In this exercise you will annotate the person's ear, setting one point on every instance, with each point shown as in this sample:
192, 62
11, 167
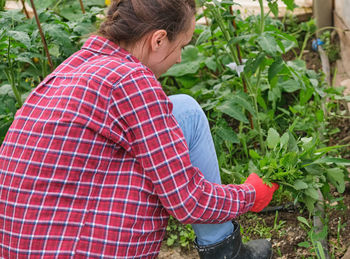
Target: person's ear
158, 38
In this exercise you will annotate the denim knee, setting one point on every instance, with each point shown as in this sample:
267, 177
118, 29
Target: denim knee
184, 104
191, 119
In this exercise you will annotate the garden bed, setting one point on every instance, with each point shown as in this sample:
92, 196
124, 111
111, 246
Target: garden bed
252, 111
285, 232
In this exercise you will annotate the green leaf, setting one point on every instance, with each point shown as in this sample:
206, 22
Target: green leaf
25, 59
330, 148
190, 64
183, 69
203, 37
304, 221
334, 160
253, 64
274, 8
290, 86
297, 65
320, 250
268, 44
211, 63
275, 68
233, 110
290, 4
320, 115
312, 193
273, 138
190, 53
54, 50
40, 4
188, 81
305, 95
253, 154
241, 39
5, 89
284, 139
336, 177
310, 203
300, 185
262, 102
21, 37
58, 35
227, 134
314, 169
304, 244
242, 100
170, 241
290, 160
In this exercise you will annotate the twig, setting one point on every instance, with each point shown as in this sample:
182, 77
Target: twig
42, 35
82, 6
25, 9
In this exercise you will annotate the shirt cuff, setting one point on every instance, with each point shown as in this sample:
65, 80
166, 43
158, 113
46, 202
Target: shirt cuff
250, 195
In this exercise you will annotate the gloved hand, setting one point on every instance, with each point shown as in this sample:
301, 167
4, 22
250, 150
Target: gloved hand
263, 192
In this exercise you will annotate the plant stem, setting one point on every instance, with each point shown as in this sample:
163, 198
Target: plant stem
234, 56
57, 3
11, 76
241, 63
254, 93
82, 6
262, 16
25, 9
306, 39
218, 65
42, 35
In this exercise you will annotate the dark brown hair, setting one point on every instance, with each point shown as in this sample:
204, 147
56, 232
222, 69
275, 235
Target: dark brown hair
130, 20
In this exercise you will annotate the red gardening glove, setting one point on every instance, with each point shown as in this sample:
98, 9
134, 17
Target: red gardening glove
263, 192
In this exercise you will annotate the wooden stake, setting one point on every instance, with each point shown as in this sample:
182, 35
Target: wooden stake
42, 36
82, 6
25, 9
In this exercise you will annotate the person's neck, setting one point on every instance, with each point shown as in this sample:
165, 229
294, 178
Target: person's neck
138, 49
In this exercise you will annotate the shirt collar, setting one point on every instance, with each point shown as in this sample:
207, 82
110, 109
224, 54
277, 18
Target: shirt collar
104, 46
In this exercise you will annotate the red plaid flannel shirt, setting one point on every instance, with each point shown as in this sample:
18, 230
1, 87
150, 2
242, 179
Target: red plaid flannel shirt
94, 163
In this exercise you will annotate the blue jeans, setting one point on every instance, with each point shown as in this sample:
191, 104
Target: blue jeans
195, 127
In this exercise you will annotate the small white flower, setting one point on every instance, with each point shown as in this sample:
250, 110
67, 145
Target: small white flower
239, 69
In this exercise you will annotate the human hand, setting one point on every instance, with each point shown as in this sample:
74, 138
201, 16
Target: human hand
263, 192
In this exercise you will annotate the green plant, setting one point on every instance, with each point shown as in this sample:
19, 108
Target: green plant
179, 234
251, 93
300, 166
254, 227
278, 224
7, 109
331, 48
314, 238
24, 63
2, 4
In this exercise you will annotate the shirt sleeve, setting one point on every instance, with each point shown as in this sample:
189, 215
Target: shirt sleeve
143, 116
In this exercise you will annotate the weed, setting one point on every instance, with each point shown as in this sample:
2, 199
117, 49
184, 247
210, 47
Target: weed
179, 234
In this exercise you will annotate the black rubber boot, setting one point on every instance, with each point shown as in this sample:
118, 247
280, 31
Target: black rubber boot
233, 248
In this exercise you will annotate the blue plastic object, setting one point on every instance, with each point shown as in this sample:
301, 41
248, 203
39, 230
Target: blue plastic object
316, 43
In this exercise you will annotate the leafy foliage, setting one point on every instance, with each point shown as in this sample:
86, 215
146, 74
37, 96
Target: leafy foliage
268, 114
300, 166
